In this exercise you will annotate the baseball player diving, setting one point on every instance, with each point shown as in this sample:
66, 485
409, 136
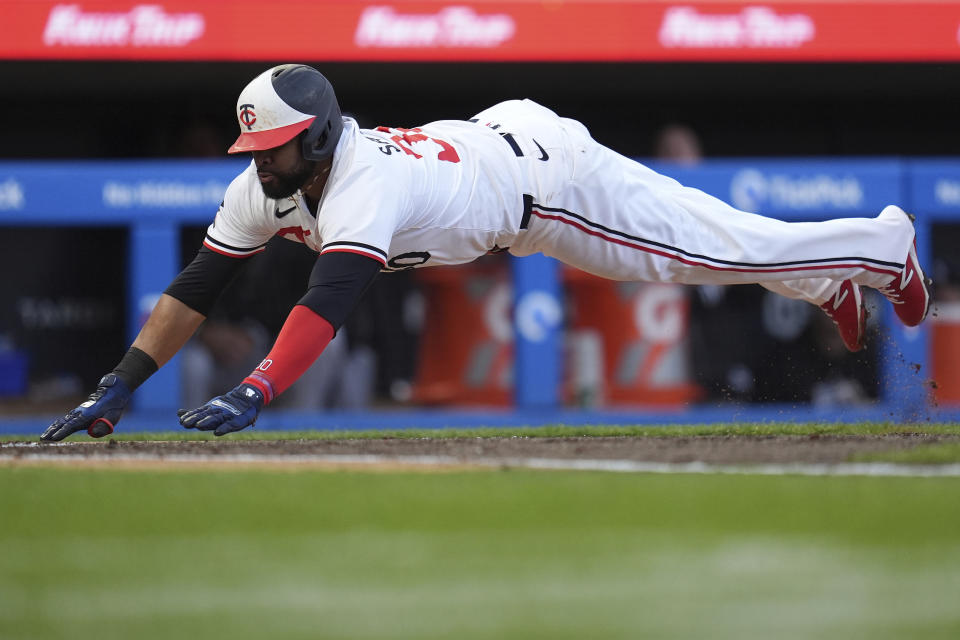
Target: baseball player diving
515, 177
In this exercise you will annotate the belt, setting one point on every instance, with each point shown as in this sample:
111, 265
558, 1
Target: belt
527, 199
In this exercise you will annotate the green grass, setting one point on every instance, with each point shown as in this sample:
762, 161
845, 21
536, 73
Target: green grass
731, 429
946, 453
111, 554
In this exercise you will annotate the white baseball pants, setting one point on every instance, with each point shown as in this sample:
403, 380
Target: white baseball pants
608, 215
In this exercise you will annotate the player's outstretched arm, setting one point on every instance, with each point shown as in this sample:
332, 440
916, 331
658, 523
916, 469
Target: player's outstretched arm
180, 310
167, 329
337, 282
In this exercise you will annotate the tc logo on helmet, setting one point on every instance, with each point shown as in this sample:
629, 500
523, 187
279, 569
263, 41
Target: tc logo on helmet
247, 115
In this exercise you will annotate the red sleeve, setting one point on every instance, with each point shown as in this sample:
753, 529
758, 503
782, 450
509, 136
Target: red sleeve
337, 282
304, 336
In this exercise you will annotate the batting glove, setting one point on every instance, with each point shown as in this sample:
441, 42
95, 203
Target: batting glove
236, 410
98, 415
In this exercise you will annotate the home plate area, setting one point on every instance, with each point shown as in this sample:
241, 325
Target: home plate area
807, 455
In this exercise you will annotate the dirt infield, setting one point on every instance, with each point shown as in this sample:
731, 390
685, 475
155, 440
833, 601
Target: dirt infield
456, 452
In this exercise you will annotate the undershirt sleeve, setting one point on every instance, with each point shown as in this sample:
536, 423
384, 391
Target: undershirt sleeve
337, 283
203, 280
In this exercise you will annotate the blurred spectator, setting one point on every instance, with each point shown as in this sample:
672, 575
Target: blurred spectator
679, 144
748, 344
946, 263
752, 345
385, 331
244, 323
612, 355
945, 329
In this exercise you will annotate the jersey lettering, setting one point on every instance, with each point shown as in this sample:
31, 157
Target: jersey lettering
407, 138
385, 147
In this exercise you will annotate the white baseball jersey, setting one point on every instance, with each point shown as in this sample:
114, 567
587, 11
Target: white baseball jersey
519, 176
444, 193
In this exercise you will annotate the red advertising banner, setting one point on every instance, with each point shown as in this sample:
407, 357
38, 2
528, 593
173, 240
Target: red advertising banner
548, 30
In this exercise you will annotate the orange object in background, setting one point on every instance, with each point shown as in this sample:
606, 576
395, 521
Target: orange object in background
945, 352
466, 349
625, 343
639, 331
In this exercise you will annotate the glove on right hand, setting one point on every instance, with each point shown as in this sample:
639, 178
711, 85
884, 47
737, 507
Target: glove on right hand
233, 411
98, 415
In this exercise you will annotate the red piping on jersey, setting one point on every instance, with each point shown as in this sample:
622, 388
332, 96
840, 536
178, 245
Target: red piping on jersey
232, 255
359, 253
304, 336
694, 263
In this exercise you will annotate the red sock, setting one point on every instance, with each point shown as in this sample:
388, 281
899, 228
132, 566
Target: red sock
304, 336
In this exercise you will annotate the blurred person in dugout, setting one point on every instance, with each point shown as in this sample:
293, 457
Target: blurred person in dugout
367, 202
678, 144
735, 330
596, 382
244, 324
371, 359
247, 320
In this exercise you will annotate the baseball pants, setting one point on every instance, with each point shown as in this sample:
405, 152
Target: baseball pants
606, 214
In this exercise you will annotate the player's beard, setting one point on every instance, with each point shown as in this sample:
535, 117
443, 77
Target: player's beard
286, 184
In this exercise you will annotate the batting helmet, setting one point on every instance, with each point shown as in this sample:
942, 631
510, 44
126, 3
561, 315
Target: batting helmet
282, 102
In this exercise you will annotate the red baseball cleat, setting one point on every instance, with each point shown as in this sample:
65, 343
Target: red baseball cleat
848, 313
908, 292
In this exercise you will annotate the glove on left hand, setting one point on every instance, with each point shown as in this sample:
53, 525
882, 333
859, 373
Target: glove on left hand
236, 410
98, 415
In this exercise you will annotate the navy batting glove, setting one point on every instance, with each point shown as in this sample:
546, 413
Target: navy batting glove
236, 410
98, 415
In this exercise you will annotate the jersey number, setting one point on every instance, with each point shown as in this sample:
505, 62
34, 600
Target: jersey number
407, 138
408, 260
